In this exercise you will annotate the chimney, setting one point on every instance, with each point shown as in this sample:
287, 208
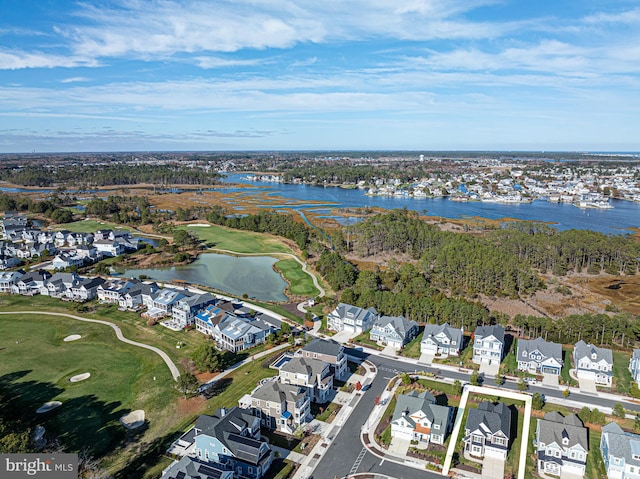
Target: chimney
223, 412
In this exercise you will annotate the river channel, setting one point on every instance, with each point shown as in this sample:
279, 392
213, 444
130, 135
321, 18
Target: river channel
251, 275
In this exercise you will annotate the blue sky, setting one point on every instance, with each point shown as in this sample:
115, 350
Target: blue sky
137, 75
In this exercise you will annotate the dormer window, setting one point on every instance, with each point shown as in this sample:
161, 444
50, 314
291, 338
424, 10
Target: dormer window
565, 441
594, 356
524, 354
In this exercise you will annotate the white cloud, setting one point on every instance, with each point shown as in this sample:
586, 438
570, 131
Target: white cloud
15, 60
74, 79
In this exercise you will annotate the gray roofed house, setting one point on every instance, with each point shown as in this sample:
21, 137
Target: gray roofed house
329, 351
418, 418
351, 318
192, 468
232, 439
562, 445
185, 309
441, 340
488, 344
237, 334
8, 279
539, 356
282, 407
395, 331
593, 363
634, 365
620, 452
488, 431
314, 374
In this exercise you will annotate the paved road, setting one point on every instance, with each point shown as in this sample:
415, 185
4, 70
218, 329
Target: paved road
170, 364
341, 457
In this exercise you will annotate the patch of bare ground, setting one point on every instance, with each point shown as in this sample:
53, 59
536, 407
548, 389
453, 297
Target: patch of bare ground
190, 406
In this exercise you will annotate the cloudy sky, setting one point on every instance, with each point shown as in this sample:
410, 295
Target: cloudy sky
125, 75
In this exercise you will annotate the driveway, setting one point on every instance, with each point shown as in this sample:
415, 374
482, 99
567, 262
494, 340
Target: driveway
587, 386
426, 358
399, 446
492, 468
550, 380
389, 351
489, 369
343, 336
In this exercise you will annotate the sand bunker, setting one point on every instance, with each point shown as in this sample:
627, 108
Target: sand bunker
199, 225
48, 406
133, 420
72, 337
80, 377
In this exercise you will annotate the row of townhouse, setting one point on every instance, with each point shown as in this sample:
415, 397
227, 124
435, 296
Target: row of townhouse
70, 248
535, 356
59, 285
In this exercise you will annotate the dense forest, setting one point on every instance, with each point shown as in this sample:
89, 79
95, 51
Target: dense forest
504, 262
264, 221
87, 176
348, 173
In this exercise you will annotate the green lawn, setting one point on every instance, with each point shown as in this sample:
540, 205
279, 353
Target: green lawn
621, 372
37, 364
300, 283
220, 237
566, 366
88, 226
412, 348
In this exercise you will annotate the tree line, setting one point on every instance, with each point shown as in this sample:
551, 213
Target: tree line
505, 262
88, 176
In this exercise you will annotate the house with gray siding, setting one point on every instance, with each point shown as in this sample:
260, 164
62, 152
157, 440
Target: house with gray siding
488, 344
417, 417
313, 374
620, 452
634, 365
562, 445
394, 331
329, 351
441, 340
538, 356
488, 431
593, 363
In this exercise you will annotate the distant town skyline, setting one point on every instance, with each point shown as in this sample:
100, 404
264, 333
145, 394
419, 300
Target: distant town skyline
217, 75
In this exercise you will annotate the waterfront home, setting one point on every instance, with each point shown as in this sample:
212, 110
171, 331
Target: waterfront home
488, 431
191, 468
8, 279
488, 344
207, 318
394, 331
30, 283
58, 284
108, 247
238, 334
186, 308
417, 417
634, 364
138, 295
282, 407
351, 318
87, 252
593, 363
620, 452
441, 340
562, 445
329, 351
86, 289
538, 356
231, 440
313, 374
113, 290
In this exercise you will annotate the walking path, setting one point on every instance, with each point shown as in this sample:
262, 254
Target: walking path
170, 364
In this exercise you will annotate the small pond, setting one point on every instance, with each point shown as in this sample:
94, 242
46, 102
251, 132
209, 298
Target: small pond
253, 275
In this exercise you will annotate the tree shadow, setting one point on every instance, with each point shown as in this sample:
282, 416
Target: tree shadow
217, 388
82, 423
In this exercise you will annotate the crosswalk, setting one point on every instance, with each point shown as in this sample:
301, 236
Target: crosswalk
359, 459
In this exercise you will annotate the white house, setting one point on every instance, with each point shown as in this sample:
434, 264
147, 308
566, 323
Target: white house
441, 340
488, 344
417, 417
634, 365
351, 318
593, 363
620, 452
488, 431
395, 331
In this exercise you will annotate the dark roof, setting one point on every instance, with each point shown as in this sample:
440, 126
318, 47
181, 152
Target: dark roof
495, 330
324, 346
493, 417
191, 468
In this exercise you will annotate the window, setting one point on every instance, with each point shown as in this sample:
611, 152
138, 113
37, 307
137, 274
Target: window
200, 453
206, 455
